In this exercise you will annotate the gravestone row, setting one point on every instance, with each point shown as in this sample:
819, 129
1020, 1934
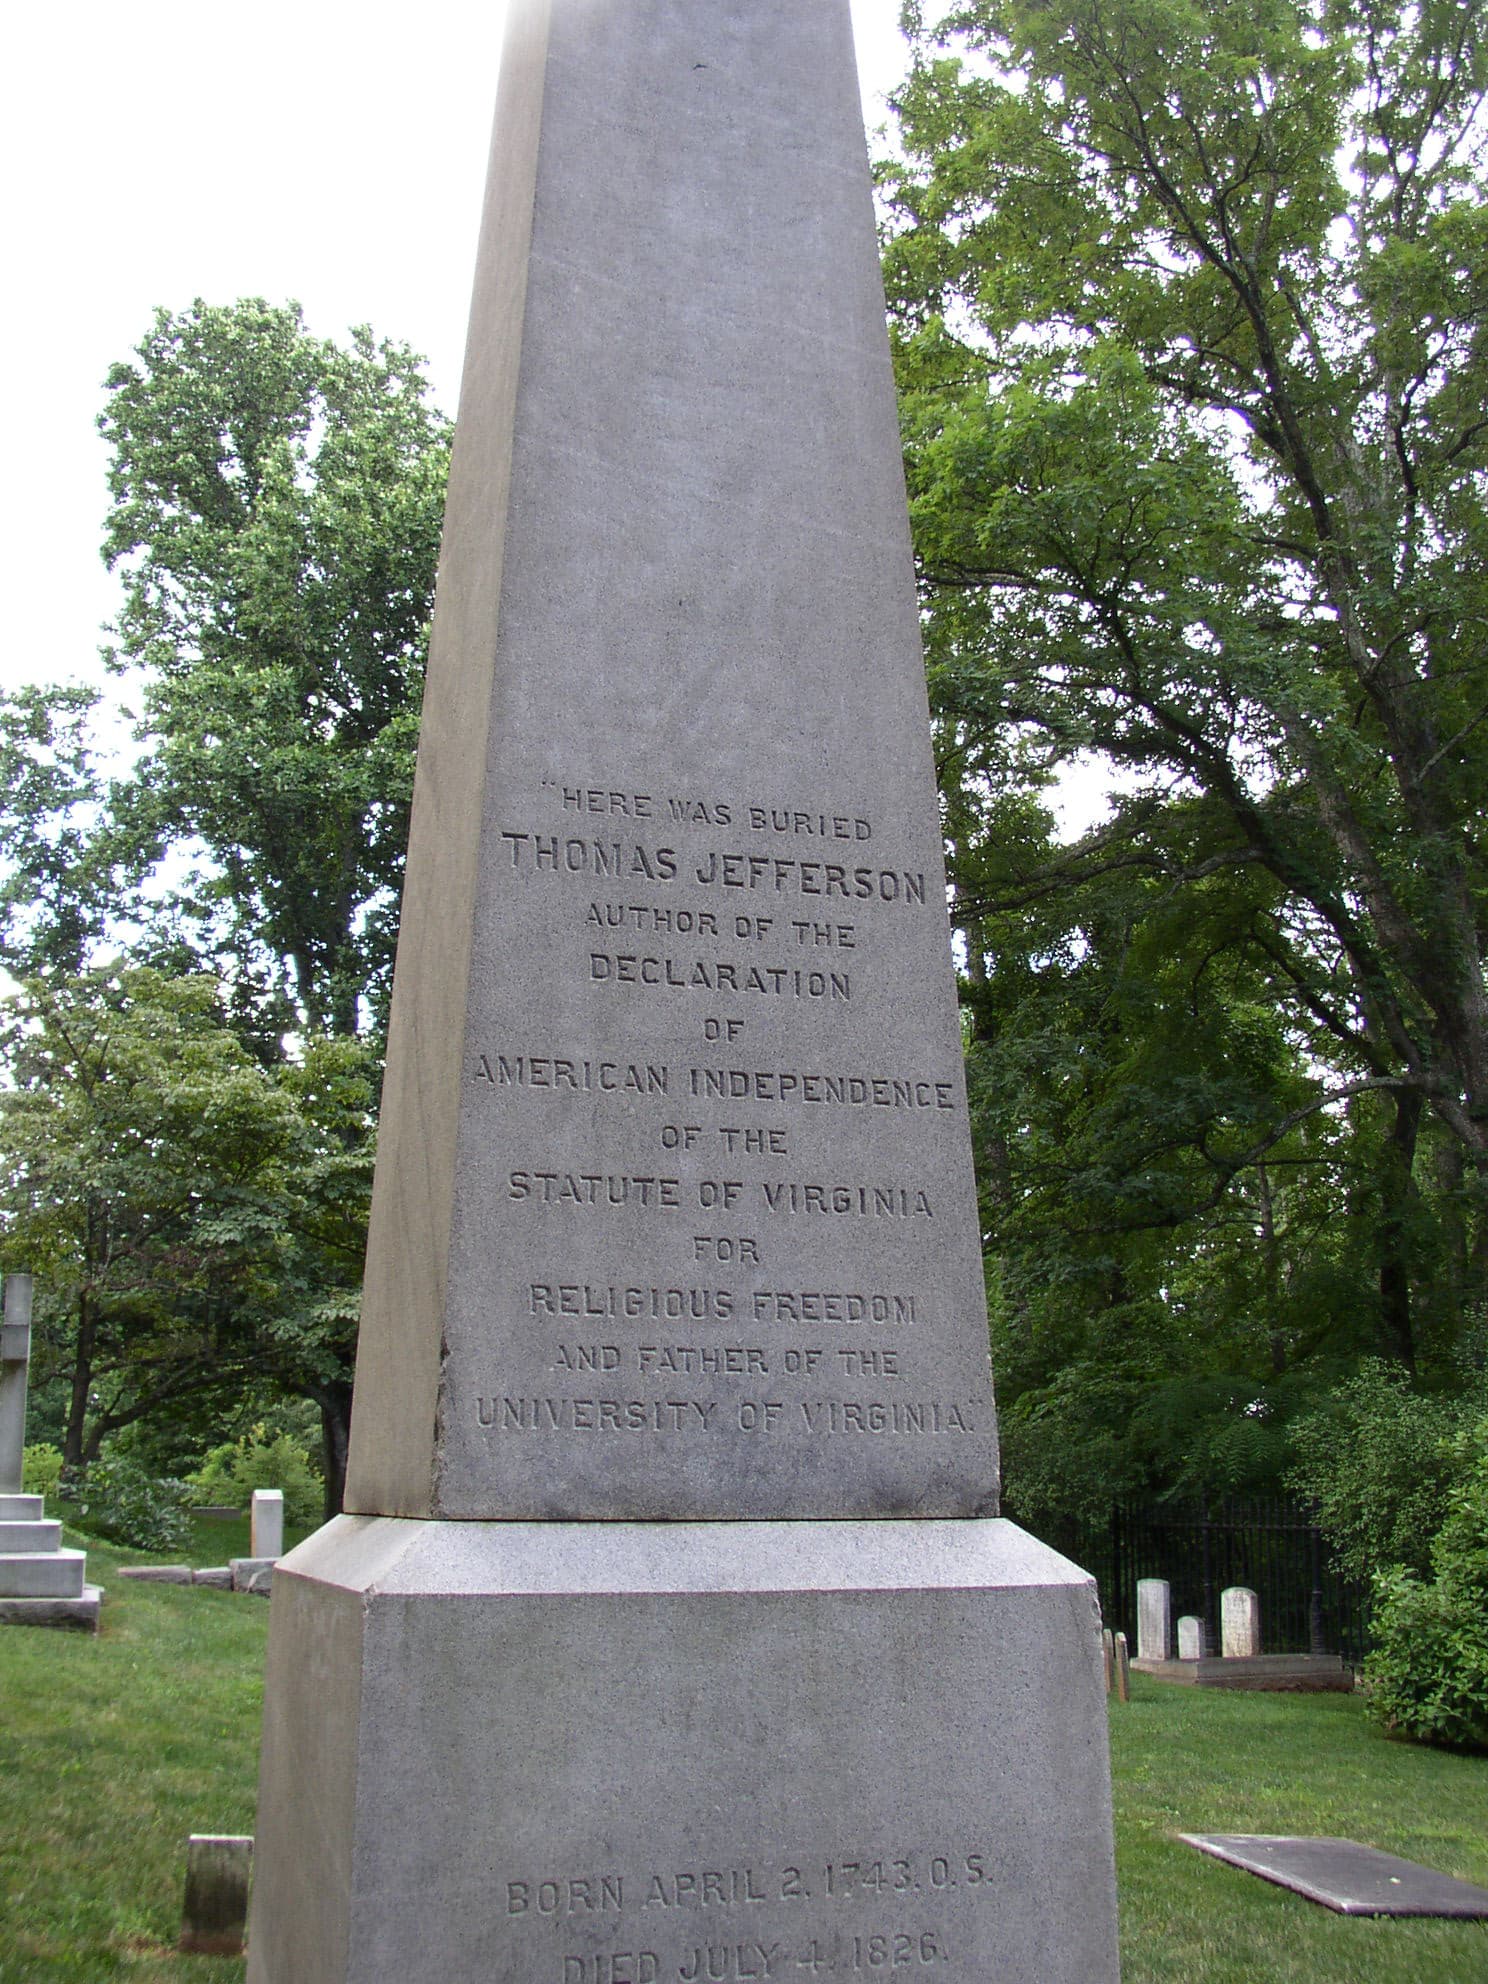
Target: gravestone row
1239, 1662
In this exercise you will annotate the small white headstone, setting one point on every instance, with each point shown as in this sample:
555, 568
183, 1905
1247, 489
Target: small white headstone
1153, 1640
1190, 1638
1239, 1623
267, 1531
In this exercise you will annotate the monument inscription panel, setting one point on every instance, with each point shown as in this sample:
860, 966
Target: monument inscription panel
713, 1165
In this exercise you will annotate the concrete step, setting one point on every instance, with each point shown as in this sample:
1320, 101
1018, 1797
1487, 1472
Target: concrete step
80, 1612
51, 1574
29, 1536
22, 1508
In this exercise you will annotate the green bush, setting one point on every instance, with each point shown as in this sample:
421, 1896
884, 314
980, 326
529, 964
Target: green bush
1428, 1675
230, 1473
41, 1469
1379, 1463
115, 1498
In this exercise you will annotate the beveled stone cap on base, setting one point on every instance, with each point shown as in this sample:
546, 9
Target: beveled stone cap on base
504, 1751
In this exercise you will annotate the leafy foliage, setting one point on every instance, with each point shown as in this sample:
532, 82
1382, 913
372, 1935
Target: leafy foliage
64, 867
1428, 1675
41, 1469
193, 1218
1380, 1462
1188, 318
277, 502
118, 1499
231, 1472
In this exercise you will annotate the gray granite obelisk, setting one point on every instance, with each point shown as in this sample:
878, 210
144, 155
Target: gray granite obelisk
674, 1635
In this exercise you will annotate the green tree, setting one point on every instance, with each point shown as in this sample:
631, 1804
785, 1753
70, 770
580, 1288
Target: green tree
1161, 1301
193, 1218
1427, 1675
64, 866
275, 519
1380, 1462
142, 1148
1188, 311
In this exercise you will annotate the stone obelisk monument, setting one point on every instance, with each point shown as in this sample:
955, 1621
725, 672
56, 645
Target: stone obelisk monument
675, 1636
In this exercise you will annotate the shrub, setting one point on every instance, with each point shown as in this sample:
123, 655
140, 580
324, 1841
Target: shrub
1428, 1675
230, 1474
1379, 1463
116, 1499
41, 1469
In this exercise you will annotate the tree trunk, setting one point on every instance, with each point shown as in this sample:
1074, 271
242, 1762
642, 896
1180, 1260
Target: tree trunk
334, 1400
1271, 1264
73, 1455
1397, 1199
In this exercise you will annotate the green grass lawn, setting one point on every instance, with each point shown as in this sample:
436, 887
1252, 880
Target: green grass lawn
1202, 1760
113, 1749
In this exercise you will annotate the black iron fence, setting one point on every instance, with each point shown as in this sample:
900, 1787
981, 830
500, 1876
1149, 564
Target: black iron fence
1272, 1546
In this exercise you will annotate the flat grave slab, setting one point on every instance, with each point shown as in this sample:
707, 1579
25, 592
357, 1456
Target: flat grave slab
1343, 1875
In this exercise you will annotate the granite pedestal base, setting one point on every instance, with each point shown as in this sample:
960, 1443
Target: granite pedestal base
613, 1753
41, 1584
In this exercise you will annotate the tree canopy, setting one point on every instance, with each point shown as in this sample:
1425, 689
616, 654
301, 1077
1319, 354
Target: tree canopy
1188, 313
275, 518
195, 1220
206, 934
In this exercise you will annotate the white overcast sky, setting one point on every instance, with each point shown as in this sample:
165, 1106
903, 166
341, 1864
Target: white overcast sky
327, 150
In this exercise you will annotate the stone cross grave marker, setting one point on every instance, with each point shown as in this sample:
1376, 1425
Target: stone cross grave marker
15, 1359
617, 1669
41, 1584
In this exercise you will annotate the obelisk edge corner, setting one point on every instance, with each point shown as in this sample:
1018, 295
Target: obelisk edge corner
392, 1468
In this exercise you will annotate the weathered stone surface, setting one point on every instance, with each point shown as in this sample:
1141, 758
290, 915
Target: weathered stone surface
81, 1612
252, 1573
266, 1523
41, 1584
1262, 1673
218, 1576
1190, 1637
674, 1221
215, 1908
534, 1747
1154, 1637
26, 1536
1239, 1623
157, 1573
1345, 1876
30, 1574
1121, 1667
15, 1354
674, 1213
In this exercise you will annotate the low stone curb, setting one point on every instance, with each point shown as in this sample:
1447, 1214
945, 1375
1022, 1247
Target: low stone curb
242, 1574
